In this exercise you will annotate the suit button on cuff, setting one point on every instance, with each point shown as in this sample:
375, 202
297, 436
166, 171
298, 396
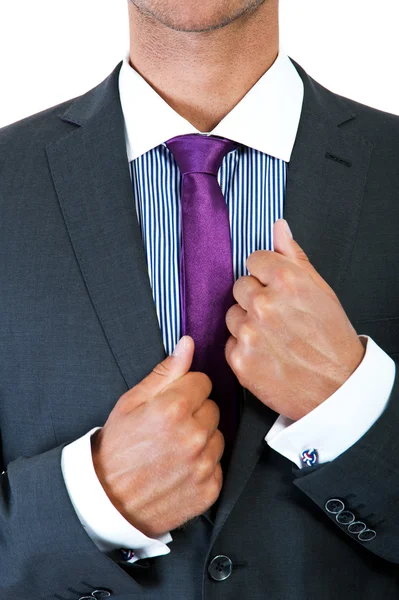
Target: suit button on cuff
98, 594
345, 517
334, 506
367, 535
357, 527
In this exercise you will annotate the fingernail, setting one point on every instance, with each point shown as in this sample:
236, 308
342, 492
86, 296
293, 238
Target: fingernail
180, 346
288, 229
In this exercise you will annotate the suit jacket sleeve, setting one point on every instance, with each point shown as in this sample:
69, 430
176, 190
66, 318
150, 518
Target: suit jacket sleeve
365, 478
44, 549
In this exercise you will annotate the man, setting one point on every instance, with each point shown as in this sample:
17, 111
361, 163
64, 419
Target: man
260, 459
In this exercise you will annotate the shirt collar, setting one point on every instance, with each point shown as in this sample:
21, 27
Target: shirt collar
265, 119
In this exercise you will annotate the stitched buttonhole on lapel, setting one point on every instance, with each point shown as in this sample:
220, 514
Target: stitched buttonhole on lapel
339, 160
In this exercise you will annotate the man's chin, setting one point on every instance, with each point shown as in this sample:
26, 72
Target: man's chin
193, 16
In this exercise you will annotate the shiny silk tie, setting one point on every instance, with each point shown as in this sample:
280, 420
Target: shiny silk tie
206, 270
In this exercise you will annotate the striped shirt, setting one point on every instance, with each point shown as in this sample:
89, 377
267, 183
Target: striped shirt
253, 185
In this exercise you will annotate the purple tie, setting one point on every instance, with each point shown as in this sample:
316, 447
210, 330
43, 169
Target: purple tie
206, 269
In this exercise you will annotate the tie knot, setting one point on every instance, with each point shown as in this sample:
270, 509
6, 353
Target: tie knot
195, 153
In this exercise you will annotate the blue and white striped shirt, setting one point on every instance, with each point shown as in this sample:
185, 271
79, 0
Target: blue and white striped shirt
253, 185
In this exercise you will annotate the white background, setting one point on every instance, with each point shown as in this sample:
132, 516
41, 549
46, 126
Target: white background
52, 50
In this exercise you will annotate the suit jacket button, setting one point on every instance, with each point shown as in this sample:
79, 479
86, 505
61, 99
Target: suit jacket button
345, 517
357, 527
97, 594
367, 535
334, 506
220, 568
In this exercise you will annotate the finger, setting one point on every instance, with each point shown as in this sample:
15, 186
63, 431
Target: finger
208, 416
192, 392
216, 446
287, 246
244, 289
234, 317
264, 264
167, 371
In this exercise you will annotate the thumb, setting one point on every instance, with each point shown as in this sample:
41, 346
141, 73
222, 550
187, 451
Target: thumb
285, 244
171, 368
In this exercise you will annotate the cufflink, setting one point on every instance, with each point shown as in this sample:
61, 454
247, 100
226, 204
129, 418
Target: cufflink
126, 554
309, 457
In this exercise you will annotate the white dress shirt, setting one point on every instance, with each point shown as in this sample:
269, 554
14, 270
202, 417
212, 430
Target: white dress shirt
266, 119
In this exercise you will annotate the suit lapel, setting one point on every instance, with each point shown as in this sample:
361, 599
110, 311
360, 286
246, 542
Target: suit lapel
325, 185
326, 180
90, 171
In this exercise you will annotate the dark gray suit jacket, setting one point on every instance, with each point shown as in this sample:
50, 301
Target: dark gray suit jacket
78, 328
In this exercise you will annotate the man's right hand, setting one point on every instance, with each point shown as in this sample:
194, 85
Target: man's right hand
158, 454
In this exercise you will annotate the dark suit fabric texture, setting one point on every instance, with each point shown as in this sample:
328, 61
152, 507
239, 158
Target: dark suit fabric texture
78, 328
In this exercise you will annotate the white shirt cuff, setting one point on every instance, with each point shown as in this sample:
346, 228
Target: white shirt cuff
105, 525
339, 422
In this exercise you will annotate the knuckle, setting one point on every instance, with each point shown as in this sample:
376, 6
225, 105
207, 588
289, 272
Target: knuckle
218, 476
237, 361
220, 442
213, 488
176, 410
245, 332
260, 304
204, 468
215, 410
198, 441
284, 277
200, 381
205, 382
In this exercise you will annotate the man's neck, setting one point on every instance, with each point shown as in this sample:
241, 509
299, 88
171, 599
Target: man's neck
203, 75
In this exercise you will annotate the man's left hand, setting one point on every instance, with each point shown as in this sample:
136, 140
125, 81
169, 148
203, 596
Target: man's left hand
292, 344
